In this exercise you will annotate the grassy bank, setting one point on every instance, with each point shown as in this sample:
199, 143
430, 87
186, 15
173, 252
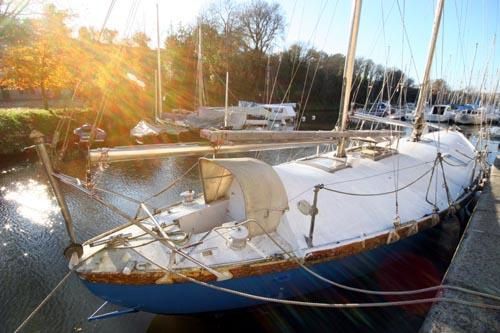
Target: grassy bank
16, 125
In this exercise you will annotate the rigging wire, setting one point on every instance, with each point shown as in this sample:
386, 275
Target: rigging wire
361, 178
374, 292
130, 19
318, 63
380, 193
408, 42
60, 124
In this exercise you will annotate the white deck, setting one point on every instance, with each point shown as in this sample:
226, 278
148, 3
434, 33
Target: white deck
342, 218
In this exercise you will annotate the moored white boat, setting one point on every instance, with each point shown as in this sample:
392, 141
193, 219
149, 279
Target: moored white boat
248, 231
492, 116
470, 116
494, 132
260, 233
440, 114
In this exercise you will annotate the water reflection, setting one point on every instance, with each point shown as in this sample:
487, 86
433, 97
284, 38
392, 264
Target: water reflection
33, 202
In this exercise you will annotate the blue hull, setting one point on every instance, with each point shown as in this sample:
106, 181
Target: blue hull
183, 298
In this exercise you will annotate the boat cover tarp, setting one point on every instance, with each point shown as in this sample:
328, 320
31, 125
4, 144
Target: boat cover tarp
213, 117
143, 128
264, 194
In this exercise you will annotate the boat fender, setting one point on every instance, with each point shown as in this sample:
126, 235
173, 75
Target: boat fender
397, 221
483, 183
392, 237
238, 237
453, 209
435, 218
363, 237
412, 230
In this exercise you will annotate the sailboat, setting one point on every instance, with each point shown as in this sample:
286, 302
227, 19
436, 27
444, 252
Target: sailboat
440, 114
260, 233
159, 130
470, 115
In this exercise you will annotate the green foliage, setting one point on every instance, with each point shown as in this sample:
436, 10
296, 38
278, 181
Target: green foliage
17, 123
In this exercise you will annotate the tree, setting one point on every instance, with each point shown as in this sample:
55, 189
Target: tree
261, 24
439, 86
12, 29
9, 12
140, 39
87, 34
44, 63
108, 36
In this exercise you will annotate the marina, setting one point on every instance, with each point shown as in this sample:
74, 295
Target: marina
263, 216
22, 181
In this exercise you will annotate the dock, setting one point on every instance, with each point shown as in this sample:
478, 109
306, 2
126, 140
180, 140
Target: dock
476, 266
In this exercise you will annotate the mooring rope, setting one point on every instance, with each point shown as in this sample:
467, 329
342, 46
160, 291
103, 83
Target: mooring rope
367, 291
45, 300
320, 304
293, 257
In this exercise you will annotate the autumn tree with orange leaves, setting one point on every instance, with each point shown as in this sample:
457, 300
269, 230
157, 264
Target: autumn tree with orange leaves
44, 63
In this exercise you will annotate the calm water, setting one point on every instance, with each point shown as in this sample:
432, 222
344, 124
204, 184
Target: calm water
32, 238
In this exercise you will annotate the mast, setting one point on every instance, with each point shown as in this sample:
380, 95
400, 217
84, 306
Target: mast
419, 111
199, 71
226, 111
402, 78
348, 71
469, 90
268, 79
156, 96
158, 59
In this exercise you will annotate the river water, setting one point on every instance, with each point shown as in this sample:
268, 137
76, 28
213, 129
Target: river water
33, 237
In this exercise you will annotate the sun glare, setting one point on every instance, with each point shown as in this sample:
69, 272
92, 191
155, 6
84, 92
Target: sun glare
33, 203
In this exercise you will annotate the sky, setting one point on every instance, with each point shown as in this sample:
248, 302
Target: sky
325, 25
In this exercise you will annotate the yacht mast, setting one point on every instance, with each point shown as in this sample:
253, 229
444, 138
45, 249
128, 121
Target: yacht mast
156, 97
419, 110
158, 59
348, 72
200, 89
226, 111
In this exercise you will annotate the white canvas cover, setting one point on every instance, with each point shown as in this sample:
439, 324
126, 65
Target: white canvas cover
263, 192
143, 128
